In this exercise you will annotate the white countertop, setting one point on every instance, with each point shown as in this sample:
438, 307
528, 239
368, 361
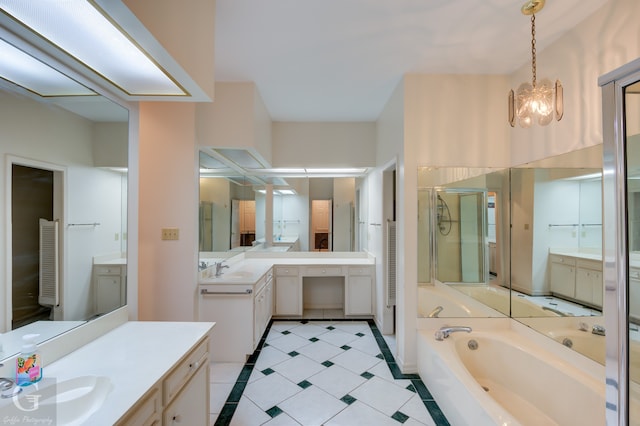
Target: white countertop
134, 356
252, 269
577, 254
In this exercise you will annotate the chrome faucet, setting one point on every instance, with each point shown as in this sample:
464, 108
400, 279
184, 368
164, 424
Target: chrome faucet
434, 313
219, 267
598, 329
202, 266
445, 331
8, 388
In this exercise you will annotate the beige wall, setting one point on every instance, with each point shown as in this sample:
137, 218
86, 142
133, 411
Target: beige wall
168, 198
301, 144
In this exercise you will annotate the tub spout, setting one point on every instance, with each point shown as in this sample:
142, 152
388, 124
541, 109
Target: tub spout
434, 313
598, 329
444, 332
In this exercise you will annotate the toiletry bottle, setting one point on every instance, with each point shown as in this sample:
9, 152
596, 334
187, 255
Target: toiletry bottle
28, 362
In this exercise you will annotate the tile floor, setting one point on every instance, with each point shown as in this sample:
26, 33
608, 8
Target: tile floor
320, 372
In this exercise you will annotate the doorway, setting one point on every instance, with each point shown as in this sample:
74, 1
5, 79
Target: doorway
321, 225
32, 199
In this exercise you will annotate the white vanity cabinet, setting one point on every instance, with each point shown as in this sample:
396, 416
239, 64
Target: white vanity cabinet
577, 278
563, 276
241, 311
288, 291
359, 290
180, 397
634, 293
110, 289
262, 307
589, 282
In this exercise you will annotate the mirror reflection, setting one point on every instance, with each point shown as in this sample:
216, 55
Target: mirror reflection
524, 242
632, 151
66, 186
240, 208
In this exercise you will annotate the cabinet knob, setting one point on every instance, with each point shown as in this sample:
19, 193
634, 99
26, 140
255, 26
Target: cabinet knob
177, 418
194, 365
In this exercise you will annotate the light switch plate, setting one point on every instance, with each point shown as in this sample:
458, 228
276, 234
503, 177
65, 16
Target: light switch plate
170, 233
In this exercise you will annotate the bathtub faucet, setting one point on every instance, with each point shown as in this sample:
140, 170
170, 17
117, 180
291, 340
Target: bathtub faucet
598, 329
434, 313
444, 332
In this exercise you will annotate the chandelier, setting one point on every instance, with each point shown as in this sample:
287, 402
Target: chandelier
538, 101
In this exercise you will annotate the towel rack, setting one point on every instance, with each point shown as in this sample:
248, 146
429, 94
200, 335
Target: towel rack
205, 292
83, 224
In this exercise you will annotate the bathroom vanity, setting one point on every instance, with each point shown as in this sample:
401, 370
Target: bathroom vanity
577, 276
136, 373
259, 285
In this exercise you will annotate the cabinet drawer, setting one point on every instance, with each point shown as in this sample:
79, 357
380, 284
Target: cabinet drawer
320, 271
563, 259
183, 372
107, 269
634, 274
590, 264
360, 270
146, 412
282, 271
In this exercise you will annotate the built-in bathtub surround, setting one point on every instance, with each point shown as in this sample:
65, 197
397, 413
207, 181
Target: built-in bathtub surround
510, 375
330, 372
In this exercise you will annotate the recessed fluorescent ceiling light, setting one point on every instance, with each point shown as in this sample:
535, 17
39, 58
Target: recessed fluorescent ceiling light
37, 77
286, 191
85, 32
337, 170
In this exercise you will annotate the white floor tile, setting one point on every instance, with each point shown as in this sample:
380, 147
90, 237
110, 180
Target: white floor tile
312, 406
356, 361
337, 381
382, 395
281, 326
225, 372
416, 409
248, 413
270, 390
308, 331
320, 351
290, 342
338, 337
269, 357
298, 368
366, 344
255, 375
382, 370
354, 327
282, 419
359, 414
218, 394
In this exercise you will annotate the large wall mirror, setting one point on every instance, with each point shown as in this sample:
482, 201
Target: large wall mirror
239, 206
524, 242
65, 179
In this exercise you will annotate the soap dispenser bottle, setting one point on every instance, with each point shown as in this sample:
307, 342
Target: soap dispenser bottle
28, 362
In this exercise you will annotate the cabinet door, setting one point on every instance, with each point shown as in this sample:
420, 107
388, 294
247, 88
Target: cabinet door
191, 405
598, 290
634, 293
259, 313
563, 279
359, 295
108, 289
584, 285
288, 296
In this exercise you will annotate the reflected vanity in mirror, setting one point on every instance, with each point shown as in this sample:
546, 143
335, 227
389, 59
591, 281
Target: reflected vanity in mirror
525, 242
240, 205
65, 176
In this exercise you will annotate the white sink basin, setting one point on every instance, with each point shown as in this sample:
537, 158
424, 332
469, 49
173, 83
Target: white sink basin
69, 402
237, 275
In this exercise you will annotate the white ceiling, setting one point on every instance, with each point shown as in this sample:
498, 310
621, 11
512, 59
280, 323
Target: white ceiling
339, 60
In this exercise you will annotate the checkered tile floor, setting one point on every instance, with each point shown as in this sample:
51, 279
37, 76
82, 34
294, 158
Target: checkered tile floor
320, 373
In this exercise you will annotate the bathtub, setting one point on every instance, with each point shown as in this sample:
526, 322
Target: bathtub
507, 380
453, 303
500, 299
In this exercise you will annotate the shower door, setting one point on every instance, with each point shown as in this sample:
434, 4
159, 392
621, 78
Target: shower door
621, 242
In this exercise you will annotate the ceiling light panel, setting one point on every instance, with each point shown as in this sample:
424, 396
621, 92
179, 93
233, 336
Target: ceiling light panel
29, 73
83, 31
